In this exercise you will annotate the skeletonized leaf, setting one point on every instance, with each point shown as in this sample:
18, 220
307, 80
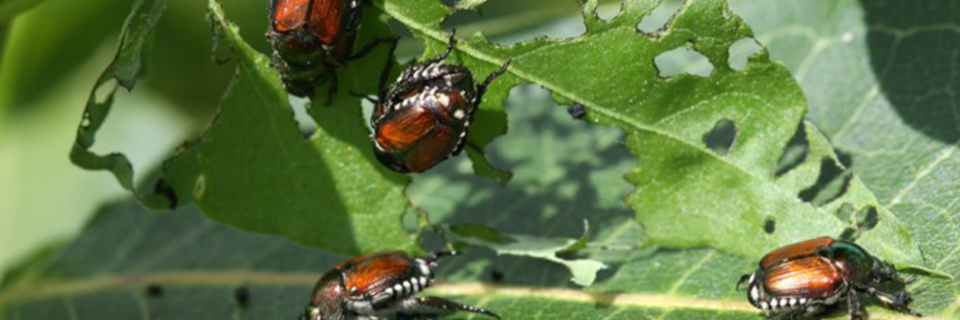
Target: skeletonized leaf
687, 194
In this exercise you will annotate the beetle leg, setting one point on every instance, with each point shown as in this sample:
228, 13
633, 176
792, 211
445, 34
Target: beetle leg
332, 90
444, 304
788, 315
482, 88
411, 316
900, 301
367, 48
853, 303
385, 74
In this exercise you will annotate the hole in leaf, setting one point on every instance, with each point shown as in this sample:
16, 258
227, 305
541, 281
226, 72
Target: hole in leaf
849, 234
304, 121
720, 139
795, 153
682, 60
867, 218
510, 22
831, 184
770, 226
845, 159
657, 20
741, 51
105, 91
609, 9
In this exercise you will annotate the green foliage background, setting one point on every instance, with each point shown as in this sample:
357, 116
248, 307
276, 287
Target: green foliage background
878, 78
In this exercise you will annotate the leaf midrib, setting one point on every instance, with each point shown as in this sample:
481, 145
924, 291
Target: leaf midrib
438, 36
232, 278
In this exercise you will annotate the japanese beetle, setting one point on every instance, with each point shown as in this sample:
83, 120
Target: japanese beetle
423, 118
805, 277
370, 286
311, 38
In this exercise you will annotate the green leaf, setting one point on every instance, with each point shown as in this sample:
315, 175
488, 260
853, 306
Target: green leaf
470, 4
132, 263
893, 111
10, 9
584, 270
49, 41
123, 71
254, 169
725, 201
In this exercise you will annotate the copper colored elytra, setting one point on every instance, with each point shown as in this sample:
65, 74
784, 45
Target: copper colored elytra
801, 249
813, 275
377, 285
804, 278
311, 38
423, 118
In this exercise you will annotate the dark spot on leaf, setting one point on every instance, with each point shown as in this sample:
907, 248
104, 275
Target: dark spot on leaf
154, 290
849, 234
659, 19
682, 60
577, 111
794, 153
831, 184
721, 138
163, 188
496, 276
741, 51
770, 226
242, 296
867, 218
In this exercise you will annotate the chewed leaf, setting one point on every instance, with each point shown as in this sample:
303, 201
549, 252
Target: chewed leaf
895, 124
123, 71
688, 194
254, 169
584, 270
